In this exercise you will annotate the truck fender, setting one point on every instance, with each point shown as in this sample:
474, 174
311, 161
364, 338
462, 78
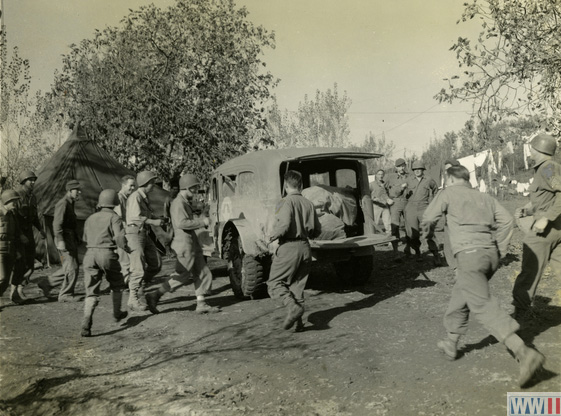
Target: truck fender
251, 243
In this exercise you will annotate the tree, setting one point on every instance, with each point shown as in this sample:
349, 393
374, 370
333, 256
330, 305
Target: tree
440, 149
170, 90
320, 122
372, 144
22, 145
514, 66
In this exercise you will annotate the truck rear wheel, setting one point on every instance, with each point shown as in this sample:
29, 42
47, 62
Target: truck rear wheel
356, 271
247, 273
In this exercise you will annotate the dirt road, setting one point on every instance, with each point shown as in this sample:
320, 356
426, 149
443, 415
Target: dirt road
364, 352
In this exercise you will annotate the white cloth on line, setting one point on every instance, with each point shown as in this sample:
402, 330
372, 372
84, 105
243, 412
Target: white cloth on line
469, 163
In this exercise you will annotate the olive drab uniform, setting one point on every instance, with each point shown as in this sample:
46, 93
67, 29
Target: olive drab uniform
124, 260
65, 229
397, 193
379, 196
27, 217
538, 249
295, 222
10, 246
419, 193
145, 261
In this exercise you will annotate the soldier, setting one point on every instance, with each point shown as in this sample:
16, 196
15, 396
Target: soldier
173, 191
26, 214
542, 241
103, 233
396, 185
381, 201
190, 262
145, 261
128, 185
448, 255
295, 222
66, 239
10, 250
480, 229
420, 192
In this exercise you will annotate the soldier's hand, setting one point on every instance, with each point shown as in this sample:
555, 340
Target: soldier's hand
519, 212
389, 201
539, 225
61, 246
156, 222
206, 222
404, 185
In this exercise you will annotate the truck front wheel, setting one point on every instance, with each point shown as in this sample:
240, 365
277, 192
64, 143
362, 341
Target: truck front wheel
247, 273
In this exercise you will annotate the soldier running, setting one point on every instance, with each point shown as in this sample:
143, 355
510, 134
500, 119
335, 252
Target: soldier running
480, 229
66, 239
103, 233
295, 222
542, 243
190, 262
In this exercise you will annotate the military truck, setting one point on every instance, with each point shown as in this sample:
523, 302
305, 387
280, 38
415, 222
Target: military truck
243, 196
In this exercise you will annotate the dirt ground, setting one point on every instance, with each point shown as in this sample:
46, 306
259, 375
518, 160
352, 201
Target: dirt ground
368, 351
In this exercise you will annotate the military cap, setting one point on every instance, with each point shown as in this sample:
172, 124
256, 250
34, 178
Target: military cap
418, 165
187, 181
144, 177
108, 198
72, 184
452, 162
25, 175
544, 143
399, 162
9, 196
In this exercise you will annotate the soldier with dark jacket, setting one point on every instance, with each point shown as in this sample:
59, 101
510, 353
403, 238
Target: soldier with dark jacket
295, 223
27, 217
396, 185
103, 233
542, 242
190, 263
420, 192
480, 229
10, 235
66, 239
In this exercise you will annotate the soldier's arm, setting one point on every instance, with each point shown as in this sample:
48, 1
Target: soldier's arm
133, 211
181, 218
119, 232
282, 221
554, 180
434, 212
504, 224
60, 209
433, 188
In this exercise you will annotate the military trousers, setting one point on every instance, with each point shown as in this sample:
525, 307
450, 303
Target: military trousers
67, 276
385, 215
191, 265
397, 212
99, 262
413, 218
7, 260
471, 294
290, 270
125, 262
25, 267
145, 261
537, 251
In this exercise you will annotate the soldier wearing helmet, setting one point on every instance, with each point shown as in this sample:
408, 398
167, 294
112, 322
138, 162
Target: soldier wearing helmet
128, 185
145, 261
396, 186
10, 252
190, 262
420, 192
66, 239
26, 214
541, 244
103, 233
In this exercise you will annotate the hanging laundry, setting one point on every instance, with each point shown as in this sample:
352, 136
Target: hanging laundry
479, 158
527, 154
469, 163
499, 161
491, 167
482, 186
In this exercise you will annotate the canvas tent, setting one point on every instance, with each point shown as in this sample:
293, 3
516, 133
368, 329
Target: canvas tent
82, 159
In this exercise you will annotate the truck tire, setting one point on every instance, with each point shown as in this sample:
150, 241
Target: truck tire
356, 271
247, 273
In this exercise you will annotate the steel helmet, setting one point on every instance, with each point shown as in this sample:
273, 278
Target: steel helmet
418, 165
544, 143
188, 180
108, 198
399, 162
25, 175
9, 196
144, 177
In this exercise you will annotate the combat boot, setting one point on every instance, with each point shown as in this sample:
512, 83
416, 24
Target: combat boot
299, 325
293, 313
449, 346
152, 299
531, 361
437, 260
133, 303
203, 307
118, 313
16, 297
89, 306
45, 287
141, 295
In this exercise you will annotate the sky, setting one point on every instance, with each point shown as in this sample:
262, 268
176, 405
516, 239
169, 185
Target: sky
388, 56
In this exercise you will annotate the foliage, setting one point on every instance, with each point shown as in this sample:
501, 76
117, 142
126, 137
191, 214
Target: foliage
321, 122
440, 149
181, 89
514, 66
372, 144
23, 146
